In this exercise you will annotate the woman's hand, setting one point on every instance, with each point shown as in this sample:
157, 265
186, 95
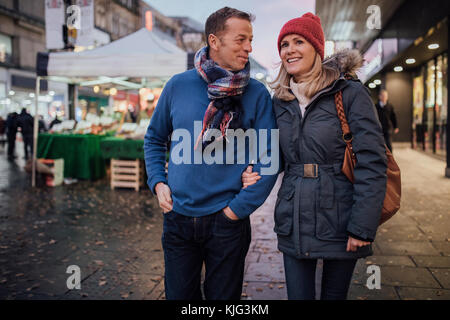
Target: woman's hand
353, 244
249, 177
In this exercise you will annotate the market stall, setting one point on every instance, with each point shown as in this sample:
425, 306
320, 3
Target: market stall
120, 148
81, 153
138, 61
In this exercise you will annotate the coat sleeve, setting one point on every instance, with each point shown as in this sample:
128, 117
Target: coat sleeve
156, 139
369, 186
252, 197
393, 118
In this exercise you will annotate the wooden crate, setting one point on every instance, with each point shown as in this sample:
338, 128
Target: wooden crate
127, 174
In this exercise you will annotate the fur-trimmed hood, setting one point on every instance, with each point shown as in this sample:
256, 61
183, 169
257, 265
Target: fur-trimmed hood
346, 61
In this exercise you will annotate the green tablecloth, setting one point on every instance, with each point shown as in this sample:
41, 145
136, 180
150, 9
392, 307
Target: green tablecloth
119, 148
81, 153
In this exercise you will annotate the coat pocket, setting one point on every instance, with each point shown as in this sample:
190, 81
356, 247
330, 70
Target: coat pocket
331, 223
284, 212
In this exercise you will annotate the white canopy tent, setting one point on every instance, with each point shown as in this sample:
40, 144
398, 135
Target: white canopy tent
141, 54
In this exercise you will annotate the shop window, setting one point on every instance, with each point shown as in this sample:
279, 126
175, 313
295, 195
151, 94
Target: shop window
389, 49
418, 98
2, 90
429, 106
441, 105
115, 24
5, 49
100, 16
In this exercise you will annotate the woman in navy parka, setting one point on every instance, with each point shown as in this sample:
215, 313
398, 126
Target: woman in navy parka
319, 213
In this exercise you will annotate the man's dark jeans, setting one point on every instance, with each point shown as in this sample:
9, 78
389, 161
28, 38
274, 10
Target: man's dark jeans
300, 278
216, 240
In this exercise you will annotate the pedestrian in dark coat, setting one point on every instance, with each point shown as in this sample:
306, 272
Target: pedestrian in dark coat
26, 123
2, 131
319, 213
11, 132
387, 117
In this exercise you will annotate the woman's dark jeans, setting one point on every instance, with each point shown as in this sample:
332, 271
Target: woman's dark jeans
215, 240
301, 276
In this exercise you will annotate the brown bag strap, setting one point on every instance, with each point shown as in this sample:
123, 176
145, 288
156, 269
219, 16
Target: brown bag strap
346, 133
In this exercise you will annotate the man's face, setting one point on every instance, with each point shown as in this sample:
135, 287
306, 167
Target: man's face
233, 45
384, 96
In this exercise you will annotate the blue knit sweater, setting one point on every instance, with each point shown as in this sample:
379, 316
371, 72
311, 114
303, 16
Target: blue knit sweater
198, 186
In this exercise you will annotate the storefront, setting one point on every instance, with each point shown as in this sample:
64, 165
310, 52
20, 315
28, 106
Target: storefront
17, 91
417, 82
430, 106
410, 60
90, 104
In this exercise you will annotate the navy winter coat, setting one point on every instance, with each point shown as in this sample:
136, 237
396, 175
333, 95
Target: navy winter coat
315, 216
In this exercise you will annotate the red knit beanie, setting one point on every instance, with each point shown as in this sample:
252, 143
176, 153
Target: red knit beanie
309, 27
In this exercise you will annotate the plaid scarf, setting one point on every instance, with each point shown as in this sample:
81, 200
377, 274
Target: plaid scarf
225, 89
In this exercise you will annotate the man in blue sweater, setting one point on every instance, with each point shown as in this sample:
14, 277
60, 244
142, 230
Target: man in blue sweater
206, 210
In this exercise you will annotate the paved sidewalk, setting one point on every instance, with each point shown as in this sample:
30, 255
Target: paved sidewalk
412, 249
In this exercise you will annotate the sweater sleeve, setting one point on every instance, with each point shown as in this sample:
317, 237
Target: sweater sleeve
268, 163
156, 139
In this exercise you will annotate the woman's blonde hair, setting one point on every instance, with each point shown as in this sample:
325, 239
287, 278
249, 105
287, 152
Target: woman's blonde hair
319, 77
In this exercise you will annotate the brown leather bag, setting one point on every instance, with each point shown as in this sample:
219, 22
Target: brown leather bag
391, 202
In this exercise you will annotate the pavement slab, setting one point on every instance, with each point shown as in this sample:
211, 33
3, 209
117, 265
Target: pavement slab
431, 261
261, 290
407, 248
408, 293
443, 276
361, 292
442, 246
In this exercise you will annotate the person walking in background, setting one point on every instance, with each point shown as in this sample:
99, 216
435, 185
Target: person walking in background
387, 117
42, 125
56, 120
2, 132
206, 211
319, 213
11, 132
25, 122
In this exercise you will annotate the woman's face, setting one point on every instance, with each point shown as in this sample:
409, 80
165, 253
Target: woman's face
297, 55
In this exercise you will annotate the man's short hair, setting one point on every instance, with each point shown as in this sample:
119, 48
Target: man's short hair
215, 24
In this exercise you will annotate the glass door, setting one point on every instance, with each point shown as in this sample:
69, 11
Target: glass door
429, 107
441, 105
417, 124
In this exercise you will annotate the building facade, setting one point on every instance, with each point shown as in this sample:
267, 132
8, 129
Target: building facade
22, 36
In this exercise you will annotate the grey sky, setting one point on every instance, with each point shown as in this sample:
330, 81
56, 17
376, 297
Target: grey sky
270, 17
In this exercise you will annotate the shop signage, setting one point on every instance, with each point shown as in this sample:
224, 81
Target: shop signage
54, 21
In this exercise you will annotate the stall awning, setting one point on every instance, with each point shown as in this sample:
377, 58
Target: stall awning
140, 54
